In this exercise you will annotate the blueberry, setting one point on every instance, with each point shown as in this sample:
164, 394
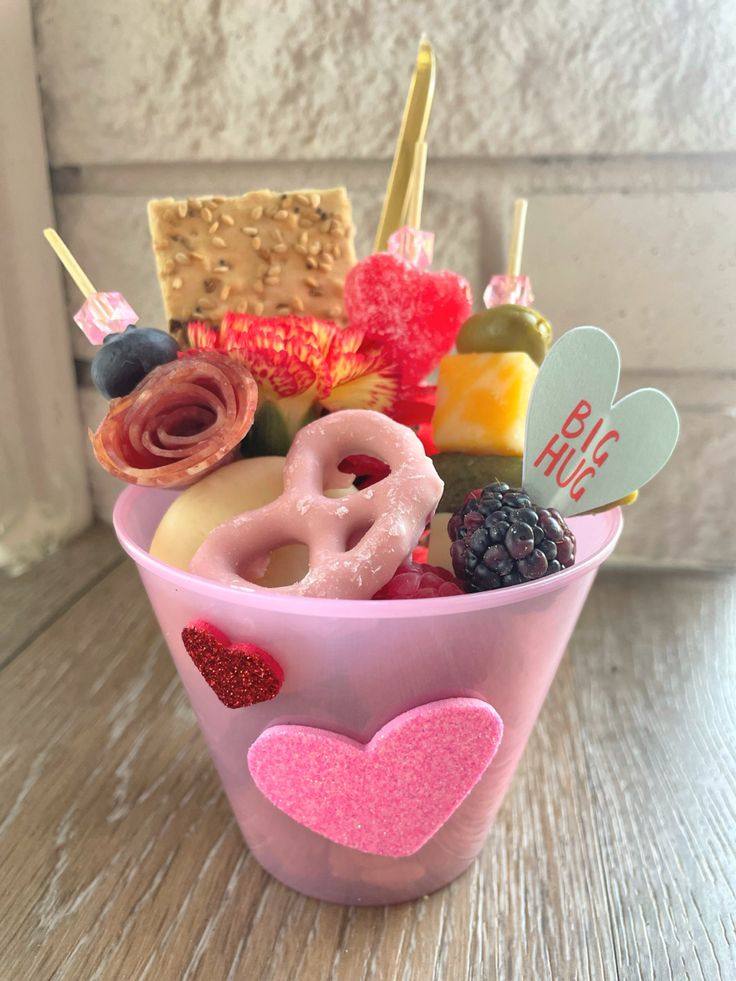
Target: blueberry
125, 359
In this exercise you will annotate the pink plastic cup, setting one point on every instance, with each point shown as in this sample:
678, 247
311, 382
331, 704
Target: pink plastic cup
353, 665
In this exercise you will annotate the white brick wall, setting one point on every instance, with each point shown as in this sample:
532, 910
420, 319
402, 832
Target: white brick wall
616, 121
295, 79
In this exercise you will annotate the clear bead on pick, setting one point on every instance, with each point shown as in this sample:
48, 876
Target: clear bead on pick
508, 289
104, 313
414, 245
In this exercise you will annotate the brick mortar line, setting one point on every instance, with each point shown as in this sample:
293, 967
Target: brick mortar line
104, 177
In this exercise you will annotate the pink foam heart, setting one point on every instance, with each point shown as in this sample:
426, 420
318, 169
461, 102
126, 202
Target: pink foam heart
389, 796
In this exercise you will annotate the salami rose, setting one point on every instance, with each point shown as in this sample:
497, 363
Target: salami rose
181, 421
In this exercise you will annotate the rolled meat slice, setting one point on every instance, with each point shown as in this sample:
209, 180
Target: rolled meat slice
184, 419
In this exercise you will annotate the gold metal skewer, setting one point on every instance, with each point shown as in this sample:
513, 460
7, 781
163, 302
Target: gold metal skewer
413, 130
69, 262
413, 211
620, 503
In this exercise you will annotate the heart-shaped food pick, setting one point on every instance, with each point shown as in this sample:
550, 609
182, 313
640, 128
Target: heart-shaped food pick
387, 797
582, 450
239, 674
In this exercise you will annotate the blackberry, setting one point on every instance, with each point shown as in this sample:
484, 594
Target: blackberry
499, 538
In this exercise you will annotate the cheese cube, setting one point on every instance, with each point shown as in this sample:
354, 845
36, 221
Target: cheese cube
482, 401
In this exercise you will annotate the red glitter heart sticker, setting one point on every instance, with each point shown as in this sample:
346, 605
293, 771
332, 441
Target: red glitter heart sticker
239, 674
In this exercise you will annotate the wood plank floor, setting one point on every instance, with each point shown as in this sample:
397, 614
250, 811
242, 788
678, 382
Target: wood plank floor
614, 856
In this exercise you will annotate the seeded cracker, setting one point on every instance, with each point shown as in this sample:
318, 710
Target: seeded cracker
265, 253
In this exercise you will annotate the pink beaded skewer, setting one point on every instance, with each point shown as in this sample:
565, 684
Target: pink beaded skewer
101, 313
511, 286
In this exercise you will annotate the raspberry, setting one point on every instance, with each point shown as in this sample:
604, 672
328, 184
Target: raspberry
413, 580
499, 538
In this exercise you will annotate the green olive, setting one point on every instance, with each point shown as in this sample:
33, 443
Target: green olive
508, 327
462, 473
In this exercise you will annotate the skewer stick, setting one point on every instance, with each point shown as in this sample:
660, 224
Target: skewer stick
413, 130
415, 195
517, 237
69, 262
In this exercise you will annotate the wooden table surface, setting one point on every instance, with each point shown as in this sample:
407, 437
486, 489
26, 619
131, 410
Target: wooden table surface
614, 855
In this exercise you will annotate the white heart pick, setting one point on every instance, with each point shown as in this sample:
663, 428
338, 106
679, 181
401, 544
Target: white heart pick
581, 449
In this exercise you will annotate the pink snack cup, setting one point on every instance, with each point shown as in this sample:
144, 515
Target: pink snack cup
350, 667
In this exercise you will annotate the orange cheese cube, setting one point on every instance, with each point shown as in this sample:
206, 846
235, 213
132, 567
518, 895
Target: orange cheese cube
482, 401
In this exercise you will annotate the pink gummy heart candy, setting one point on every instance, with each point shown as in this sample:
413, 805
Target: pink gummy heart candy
416, 315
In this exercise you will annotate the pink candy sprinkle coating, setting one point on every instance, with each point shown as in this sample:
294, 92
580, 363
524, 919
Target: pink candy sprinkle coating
416, 315
387, 797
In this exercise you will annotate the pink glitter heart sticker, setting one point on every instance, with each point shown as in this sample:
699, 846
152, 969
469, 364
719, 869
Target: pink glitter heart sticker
389, 796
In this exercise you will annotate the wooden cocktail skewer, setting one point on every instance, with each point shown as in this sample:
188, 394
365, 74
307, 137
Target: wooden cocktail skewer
68, 261
101, 313
516, 247
511, 286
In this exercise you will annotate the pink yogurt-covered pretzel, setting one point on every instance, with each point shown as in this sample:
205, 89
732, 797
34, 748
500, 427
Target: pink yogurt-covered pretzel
356, 543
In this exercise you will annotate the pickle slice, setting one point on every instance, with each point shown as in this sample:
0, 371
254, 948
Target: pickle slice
463, 473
